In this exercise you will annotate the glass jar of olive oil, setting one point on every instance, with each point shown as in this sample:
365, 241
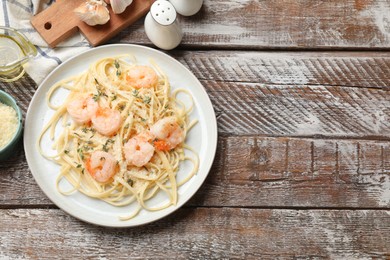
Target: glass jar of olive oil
15, 51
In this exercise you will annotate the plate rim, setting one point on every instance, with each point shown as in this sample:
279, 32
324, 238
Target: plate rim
212, 130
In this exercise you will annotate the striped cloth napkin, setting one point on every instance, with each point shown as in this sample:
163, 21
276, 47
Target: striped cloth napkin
17, 14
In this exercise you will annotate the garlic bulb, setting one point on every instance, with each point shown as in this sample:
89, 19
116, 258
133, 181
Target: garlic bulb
93, 12
119, 6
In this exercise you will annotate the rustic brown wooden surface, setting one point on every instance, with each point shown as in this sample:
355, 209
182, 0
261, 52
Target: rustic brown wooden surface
302, 168
282, 24
202, 233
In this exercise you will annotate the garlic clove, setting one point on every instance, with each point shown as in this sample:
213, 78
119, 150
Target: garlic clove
119, 6
93, 12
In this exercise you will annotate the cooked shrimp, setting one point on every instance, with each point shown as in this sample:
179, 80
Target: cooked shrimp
142, 77
101, 166
82, 108
168, 133
138, 150
107, 121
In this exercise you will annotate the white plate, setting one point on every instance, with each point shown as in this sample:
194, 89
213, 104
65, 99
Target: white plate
203, 137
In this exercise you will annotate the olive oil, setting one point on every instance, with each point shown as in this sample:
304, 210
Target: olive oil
15, 51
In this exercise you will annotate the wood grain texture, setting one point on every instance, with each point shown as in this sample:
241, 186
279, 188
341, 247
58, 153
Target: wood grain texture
201, 233
350, 69
300, 110
292, 172
303, 162
283, 94
263, 172
253, 24
22, 90
249, 104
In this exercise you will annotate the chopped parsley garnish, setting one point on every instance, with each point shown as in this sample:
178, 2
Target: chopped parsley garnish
147, 100
135, 93
96, 97
117, 66
80, 152
105, 146
99, 94
86, 148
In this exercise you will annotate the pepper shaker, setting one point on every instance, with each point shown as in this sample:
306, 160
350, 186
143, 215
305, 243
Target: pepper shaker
187, 7
162, 26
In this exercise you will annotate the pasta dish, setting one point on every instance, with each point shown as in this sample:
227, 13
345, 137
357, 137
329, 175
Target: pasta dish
122, 133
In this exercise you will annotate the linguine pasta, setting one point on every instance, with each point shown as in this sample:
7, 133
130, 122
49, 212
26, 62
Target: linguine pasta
107, 85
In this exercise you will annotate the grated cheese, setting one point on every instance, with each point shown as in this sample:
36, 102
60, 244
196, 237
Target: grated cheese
8, 124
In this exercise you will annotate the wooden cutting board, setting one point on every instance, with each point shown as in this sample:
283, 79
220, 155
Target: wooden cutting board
59, 22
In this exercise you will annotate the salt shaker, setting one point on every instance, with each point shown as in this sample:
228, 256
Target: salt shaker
187, 7
162, 26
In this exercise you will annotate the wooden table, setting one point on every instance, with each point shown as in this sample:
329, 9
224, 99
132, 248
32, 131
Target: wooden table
301, 94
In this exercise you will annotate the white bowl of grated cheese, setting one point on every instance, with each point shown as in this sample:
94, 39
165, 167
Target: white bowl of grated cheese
10, 126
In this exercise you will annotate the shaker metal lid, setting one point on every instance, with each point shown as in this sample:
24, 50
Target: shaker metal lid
163, 12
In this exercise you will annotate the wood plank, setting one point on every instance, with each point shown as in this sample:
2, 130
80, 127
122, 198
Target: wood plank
349, 24
305, 111
22, 90
356, 69
290, 172
18, 183
348, 69
318, 109
291, 105
264, 172
20, 189
194, 233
